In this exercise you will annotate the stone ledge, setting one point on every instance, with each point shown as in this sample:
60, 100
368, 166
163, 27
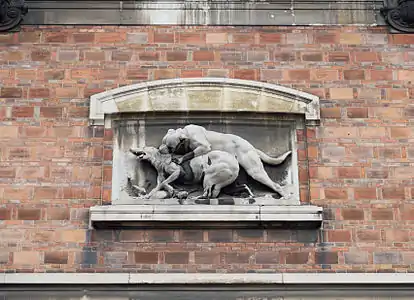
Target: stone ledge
298, 216
203, 278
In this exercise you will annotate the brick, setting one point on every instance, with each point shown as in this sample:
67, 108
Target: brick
208, 258
387, 258
121, 56
146, 257
326, 258
331, 112
73, 236
29, 258
95, 55
191, 38
231, 56
365, 193
4, 257
349, 172
299, 75
221, 235
295, 258
165, 74
216, 38
284, 56
258, 56
51, 112
235, 258
5, 214
19, 153
161, 235
14, 56
118, 37
354, 74
58, 213
339, 57
270, 38
270, 75
322, 37
366, 56
382, 214
56, 37
203, 55
336, 193
401, 132
335, 236
7, 172
352, 214
393, 193
80, 38
372, 132
405, 75
395, 235
137, 38
245, 74
357, 112
356, 258
68, 55
39, 92
378, 75
40, 55
44, 193
163, 37
29, 37
149, 56
140, 74
191, 235
324, 74
28, 214
267, 258
368, 235
405, 39
9, 92
58, 258
350, 38
191, 73
176, 257
176, 56
341, 93
312, 56
22, 112
250, 235
72, 92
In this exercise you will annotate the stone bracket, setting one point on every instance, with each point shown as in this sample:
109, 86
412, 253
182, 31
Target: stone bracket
127, 216
204, 94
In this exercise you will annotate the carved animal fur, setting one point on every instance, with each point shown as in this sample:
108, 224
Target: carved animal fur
216, 170
200, 141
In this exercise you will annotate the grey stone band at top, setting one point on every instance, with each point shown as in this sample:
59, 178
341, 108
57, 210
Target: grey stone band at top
295, 12
202, 278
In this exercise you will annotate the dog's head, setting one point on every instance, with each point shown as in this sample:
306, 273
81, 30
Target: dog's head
172, 140
144, 153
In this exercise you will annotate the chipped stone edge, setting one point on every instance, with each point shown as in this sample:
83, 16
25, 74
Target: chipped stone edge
107, 102
200, 278
204, 213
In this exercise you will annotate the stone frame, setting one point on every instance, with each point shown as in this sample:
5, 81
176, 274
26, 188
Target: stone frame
203, 95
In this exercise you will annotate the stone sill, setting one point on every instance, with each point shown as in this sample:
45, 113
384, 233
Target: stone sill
181, 216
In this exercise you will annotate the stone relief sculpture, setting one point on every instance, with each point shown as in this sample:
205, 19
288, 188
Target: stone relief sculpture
205, 160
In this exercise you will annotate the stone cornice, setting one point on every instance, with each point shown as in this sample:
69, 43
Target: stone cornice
296, 12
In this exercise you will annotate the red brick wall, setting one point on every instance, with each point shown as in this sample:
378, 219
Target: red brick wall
53, 165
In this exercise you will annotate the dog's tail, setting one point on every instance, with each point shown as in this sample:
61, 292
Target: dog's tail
273, 160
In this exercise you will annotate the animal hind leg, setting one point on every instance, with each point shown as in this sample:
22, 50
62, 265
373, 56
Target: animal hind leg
254, 167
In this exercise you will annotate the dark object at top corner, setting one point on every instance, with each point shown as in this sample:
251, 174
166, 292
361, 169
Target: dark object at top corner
11, 14
399, 14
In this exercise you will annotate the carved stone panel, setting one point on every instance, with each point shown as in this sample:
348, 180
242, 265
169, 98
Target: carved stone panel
137, 146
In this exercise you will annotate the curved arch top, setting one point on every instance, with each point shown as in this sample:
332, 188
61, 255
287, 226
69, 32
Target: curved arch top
204, 94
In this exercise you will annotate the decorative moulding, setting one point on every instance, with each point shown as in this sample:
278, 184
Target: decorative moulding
305, 216
11, 14
203, 94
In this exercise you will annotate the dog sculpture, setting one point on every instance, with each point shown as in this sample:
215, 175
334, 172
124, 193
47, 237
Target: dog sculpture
215, 170
198, 141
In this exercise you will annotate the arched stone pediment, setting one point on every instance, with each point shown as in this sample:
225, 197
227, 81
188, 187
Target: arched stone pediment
204, 94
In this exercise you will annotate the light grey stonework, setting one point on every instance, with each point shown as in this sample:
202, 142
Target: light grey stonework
295, 12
